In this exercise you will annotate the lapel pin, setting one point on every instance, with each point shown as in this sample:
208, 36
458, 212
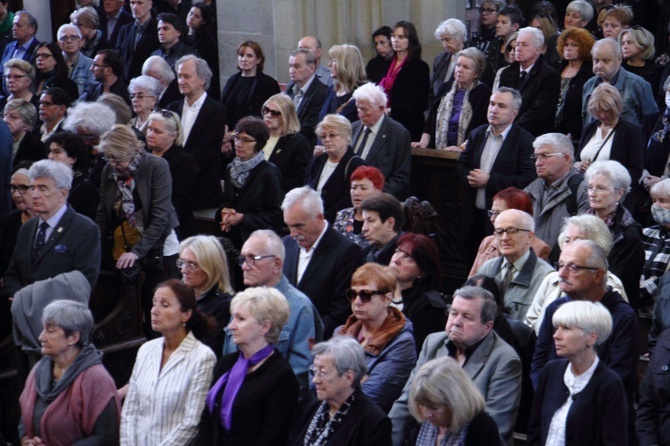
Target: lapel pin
59, 230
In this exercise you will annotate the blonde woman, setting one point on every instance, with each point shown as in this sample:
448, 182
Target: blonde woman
348, 72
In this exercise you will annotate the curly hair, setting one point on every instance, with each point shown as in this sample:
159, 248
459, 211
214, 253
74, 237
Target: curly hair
582, 37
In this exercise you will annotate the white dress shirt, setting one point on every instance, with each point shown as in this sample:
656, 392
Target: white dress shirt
189, 113
305, 256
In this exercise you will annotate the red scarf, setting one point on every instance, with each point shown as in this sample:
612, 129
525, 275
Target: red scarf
387, 82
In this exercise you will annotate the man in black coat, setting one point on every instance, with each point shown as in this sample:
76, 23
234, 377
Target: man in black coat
319, 260
113, 19
139, 39
307, 92
538, 83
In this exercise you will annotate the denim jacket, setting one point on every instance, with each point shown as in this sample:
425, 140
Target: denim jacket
82, 74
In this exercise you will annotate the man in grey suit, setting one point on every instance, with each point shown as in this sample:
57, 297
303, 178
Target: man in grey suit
491, 363
387, 145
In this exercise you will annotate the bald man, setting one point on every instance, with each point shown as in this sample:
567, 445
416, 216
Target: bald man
313, 45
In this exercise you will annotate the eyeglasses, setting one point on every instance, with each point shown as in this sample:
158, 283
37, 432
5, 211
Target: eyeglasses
98, 65
405, 256
273, 113
237, 137
597, 189
20, 189
492, 213
543, 156
189, 266
319, 373
572, 268
487, 10
43, 56
140, 96
364, 295
15, 76
66, 38
329, 136
251, 260
111, 159
46, 104
511, 231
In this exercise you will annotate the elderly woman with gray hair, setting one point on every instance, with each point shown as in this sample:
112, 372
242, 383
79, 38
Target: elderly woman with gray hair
453, 35
21, 116
449, 407
144, 93
579, 399
342, 415
608, 183
69, 397
456, 112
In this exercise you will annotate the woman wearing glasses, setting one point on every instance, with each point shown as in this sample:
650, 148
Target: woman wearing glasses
608, 184
19, 186
286, 148
254, 393
383, 331
252, 194
144, 92
19, 76
204, 267
342, 415
52, 71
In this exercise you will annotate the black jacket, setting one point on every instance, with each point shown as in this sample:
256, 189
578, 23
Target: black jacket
262, 87
292, 155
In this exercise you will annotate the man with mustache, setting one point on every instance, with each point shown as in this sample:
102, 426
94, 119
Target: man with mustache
319, 260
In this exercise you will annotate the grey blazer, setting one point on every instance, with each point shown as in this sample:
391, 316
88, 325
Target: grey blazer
153, 185
494, 367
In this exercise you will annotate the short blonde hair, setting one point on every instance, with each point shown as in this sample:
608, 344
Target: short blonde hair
338, 123
211, 259
290, 122
590, 317
661, 189
643, 39
350, 66
121, 142
605, 97
22, 65
172, 125
442, 382
86, 16
264, 304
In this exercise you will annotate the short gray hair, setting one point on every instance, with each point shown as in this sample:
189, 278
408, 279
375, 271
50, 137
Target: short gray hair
122, 111
516, 96
72, 317
171, 125
613, 171
32, 20
477, 57
264, 303
201, 68
597, 258
592, 228
557, 141
148, 83
453, 28
489, 306
661, 189
581, 7
607, 41
59, 172
307, 197
535, 33
372, 93
347, 355
67, 26
22, 65
161, 66
310, 59
273, 244
590, 317
94, 117
25, 109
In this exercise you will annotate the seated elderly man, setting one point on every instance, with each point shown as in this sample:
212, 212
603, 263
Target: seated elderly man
383, 217
70, 42
261, 259
491, 363
559, 191
518, 271
638, 98
582, 269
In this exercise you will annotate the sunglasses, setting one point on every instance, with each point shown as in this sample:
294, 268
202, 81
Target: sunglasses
273, 113
364, 295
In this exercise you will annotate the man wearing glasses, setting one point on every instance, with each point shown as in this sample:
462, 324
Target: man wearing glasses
518, 271
261, 260
79, 66
107, 69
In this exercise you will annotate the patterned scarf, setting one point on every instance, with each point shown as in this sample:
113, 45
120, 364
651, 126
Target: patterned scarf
444, 114
239, 172
124, 204
321, 428
660, 135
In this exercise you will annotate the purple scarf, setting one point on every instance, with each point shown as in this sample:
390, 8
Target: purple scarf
232, 380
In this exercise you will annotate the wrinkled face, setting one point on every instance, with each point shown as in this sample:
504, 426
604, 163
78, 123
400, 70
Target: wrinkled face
13, 120
190, 85
572, 233
581, 281
512, 246
247, 60
304, 228
17, 80
629, 47
382, 46
21, 29
573, 20
612, 28
140, 9
58, 153
376, 309
451, 44
399, 40
158, 136
168, 35
244, 328
334, 144
166, 313
272, 117
376, 231
404, 266
21, 195
527, 50
570, 50
504, 26
194, 18
142, 101
436, 415
44, 60
192, 274
501, 110
601, 193
465, 71
329, 385
310, 44
299, 70
661, 200
50, 112
464, 325
47, 199
69, 41
261, 272
607, 117
367, 113
360, 190
53, 340
549, 166
569, 341
488, 14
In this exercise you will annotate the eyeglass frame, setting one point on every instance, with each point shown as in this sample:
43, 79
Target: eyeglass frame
21, 189
140, 96
543, 156
322, 375
364, 295
66, 38
487, 10
252, 259
190, 266
236, 137
574, 269
511, 231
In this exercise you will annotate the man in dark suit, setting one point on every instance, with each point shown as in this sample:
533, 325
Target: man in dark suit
319, 260
538, 83
308, 95
107, 69
113, 19
139, 39
387, 146
496, 157
23, 32
202, 119
58, 240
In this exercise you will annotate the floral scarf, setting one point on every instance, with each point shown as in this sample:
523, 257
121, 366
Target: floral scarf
444, 114
125, 204
321, 428
239, 171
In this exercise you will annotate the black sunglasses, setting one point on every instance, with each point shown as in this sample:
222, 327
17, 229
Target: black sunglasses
364, 295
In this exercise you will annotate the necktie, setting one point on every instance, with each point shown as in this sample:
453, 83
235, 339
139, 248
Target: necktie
522, 79
507, 279
363, 142
297, 98
40, 240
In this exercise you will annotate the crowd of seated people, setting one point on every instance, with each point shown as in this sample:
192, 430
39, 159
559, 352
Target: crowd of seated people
311, 315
